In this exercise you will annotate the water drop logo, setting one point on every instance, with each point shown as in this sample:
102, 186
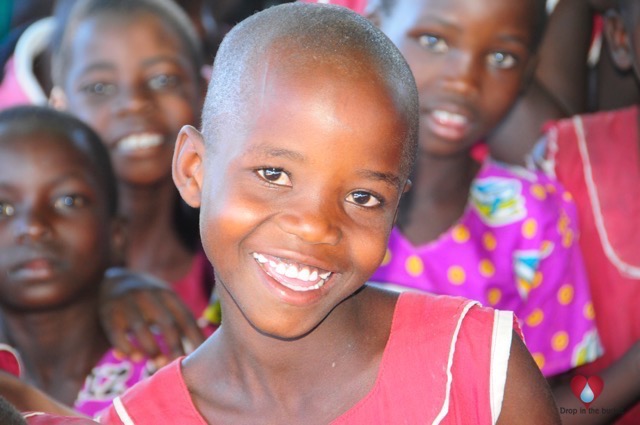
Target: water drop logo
586, 389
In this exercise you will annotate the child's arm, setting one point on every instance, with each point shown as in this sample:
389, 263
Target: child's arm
527, 396
621, 391
134, 304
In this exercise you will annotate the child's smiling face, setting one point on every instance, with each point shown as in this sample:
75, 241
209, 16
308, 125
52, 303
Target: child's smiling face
55, 225
297, 206
134, 82
469, 59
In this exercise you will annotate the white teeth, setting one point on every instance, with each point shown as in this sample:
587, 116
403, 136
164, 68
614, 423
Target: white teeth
139, 141
449, 117
304, 273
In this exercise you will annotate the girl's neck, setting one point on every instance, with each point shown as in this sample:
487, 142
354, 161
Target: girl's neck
58, 347
440, 192
153, 242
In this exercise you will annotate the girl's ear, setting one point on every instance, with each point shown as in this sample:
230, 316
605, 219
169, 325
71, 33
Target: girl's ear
188, 159
618, 40
57, 99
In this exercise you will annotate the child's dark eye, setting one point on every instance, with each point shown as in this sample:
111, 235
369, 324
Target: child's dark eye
70, 201
6, 210
501, 60
100, 89
433, 43
163, 81
364, 199
274, 176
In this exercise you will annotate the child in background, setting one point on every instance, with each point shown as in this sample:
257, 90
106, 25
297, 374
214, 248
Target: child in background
597, 157
499, 234
59, 232
309, 136
131, 70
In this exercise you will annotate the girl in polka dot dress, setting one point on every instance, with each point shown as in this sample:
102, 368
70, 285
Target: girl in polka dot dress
499, 234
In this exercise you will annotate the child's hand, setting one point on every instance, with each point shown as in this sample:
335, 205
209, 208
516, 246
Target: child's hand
135, 306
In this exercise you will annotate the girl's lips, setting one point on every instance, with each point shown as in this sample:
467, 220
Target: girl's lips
138, 142
295, 276
37, 269
447, 125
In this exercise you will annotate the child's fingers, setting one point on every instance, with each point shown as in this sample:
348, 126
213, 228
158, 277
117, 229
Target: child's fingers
144, 316
185, 324
116, 326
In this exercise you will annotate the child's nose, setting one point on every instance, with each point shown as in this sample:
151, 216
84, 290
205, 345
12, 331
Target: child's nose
31, 226
312, 220
464, 74
134, 99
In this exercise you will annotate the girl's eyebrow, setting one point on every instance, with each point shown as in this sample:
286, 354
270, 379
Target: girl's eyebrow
389, 178
162, 58
97, 66
279, 152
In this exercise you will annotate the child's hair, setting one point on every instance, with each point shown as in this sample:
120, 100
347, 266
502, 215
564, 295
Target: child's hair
386, 6
30, 120
71, 13
350, 42
9, 414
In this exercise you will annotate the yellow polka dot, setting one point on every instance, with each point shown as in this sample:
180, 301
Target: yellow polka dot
539, 359
456, 275
387, 258
588, 311
489, 241
460, 233
567, 239
414, 265
551, 188
535, 318
560, 341
546, 246
567, 197
538, 277
494, 296
529, 228
563, 223
565, 294
486, 268
538, 191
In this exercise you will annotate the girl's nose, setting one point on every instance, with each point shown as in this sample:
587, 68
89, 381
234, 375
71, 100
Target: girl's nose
134, 99
31, 226
464, 74
313, 221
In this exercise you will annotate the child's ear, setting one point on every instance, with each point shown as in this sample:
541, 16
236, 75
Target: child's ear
188, 159
57, 99
618, 40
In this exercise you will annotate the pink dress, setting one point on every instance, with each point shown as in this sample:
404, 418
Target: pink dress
513, 249
445, 362
597, 158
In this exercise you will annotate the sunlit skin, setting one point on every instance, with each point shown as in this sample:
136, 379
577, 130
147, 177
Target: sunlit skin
132, 76
470, 60
55, 237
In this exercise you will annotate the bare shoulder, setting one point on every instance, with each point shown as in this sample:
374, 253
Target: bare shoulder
527, 396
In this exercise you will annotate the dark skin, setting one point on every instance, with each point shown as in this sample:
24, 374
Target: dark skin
473, 66
131, 77
50, 286
283, 355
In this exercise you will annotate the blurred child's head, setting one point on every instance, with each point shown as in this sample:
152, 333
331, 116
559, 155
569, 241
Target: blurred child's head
131, 70
622, 30
470, 60
309, 135
57, 209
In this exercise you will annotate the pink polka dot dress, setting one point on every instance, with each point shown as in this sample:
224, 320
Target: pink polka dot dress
515, 248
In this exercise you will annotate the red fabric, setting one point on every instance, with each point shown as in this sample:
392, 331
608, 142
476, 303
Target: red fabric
9, 360
412, 380
193, 289
355, 5
614, 157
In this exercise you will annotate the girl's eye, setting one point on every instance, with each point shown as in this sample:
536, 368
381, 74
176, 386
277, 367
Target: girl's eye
100, 89
70, 201
6, 209
274, 176
433, 43
162, 81
502, 60
364, 199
